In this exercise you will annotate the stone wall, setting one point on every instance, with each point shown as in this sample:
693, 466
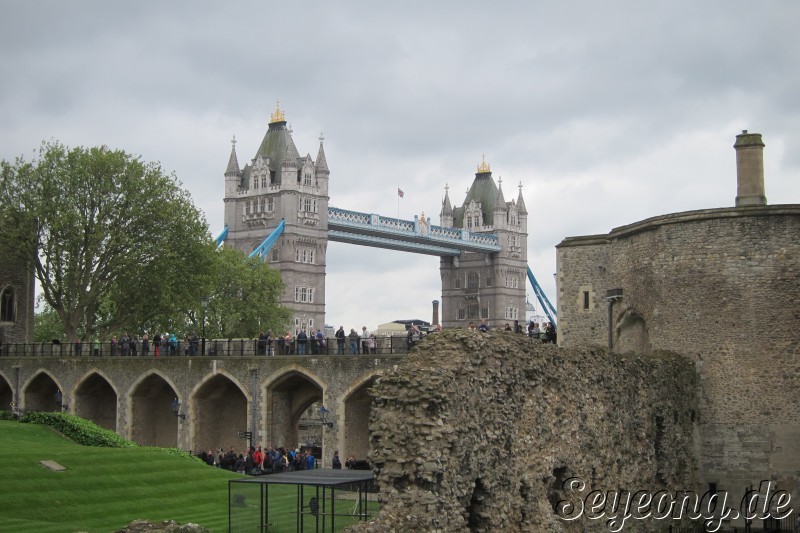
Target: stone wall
219, 396
479, 431
720, 286
18, 276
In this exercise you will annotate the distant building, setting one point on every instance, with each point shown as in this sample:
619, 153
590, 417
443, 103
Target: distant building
278, 184
488, 286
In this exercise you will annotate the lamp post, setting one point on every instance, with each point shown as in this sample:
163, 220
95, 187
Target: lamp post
176, 408
204, 304
59, 399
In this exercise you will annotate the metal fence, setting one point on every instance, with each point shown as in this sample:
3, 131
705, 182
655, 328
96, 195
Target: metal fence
384, 345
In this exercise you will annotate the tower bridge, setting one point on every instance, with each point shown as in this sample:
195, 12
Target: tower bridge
277, 206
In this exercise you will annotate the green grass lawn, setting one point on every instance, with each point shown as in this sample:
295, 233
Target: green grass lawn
102, 489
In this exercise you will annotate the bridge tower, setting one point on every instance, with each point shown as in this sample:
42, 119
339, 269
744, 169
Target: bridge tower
490, 286
280, 184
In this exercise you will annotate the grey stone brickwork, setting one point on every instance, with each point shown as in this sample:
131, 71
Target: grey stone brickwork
722, 287
479, 431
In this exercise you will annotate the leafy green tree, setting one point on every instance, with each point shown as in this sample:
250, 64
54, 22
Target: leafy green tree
244, 297
46, 323
117, 242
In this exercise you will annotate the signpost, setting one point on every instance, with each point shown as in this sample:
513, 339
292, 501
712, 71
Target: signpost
248, 435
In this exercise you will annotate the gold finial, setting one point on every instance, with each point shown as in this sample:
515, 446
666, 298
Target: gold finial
277, 116
484, 166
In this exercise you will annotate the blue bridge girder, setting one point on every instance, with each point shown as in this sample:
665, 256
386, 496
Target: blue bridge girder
369, 229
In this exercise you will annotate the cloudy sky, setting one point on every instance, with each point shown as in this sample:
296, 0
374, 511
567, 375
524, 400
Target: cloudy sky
605, 112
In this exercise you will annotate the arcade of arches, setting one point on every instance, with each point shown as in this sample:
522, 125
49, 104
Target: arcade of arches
212, 407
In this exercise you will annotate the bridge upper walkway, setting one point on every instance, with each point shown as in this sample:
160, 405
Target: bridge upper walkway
369, 229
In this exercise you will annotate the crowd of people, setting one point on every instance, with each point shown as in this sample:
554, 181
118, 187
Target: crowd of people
546, 332
255, 461
298, 343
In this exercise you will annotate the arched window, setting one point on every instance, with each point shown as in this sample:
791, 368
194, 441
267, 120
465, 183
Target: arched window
7, 305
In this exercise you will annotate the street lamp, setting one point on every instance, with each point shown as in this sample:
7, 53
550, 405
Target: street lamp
204, 304
323, 417
176, 408
59, 398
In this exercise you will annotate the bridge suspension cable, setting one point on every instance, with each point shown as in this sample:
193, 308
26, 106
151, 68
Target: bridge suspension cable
222, 236
263, 248
542, 297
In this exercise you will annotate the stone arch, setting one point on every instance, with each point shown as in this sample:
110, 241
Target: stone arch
290, 392
630, 333
151, 421
355, 406
6, 393
96, 400
39, 392
218, 410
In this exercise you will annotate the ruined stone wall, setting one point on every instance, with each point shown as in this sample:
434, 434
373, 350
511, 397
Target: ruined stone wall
479, 431
720, 286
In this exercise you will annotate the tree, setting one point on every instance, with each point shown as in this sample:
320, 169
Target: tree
46, 324
117, 243
244, 297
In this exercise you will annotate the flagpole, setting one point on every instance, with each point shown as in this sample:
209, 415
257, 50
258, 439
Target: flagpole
398, 202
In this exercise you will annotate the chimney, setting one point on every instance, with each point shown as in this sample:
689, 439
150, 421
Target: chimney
749, 169
435, 321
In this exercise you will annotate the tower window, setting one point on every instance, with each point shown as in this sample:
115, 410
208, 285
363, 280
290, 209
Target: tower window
473, 281
585, 300
7, 305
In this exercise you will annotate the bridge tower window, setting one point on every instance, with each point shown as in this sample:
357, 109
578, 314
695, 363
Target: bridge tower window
270, 205
462, 313
307, 178
457, 282
473, 281
485, 312
304, 255
263, 181
304, 294
7, 305
275, 255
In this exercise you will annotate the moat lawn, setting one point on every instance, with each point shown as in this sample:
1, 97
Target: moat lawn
102, 489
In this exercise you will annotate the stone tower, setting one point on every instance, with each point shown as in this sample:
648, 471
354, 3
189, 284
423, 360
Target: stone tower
278, 184
477, 286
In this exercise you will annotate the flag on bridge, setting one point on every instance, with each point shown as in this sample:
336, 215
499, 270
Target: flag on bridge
400, 192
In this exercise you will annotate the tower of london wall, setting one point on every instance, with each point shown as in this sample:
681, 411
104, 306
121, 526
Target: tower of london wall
721, 287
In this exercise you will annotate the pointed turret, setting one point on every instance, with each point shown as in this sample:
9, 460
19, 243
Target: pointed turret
521, 209
500, 200
233, 161
233, 174
500, 208
321, 162
446, 216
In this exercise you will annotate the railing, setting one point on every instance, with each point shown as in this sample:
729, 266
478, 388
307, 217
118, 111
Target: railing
383, 345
